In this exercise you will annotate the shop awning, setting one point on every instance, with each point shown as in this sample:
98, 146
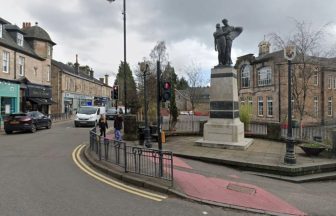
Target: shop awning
42, 101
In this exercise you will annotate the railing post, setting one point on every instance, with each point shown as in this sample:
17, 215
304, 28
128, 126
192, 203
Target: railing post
172, 168
99, 148
125, 156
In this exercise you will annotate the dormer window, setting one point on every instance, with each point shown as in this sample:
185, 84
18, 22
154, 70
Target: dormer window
49, 50
19, 39
0, 30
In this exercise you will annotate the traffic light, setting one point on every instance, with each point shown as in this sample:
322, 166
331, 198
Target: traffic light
115, 92
166, 91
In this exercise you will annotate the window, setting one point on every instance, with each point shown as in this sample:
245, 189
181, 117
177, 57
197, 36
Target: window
21, 66
316, 106
5, 62
49, 50
269, 106
48, 73
245, 76
334, 83
329, 82
0, 31
264, 76
329, 106
315, 78
260, 106
19, 39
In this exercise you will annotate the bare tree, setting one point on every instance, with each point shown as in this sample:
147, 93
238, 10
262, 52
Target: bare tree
195, 80
307, 63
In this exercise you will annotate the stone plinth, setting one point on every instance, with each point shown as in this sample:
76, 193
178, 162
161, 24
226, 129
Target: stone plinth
224, 128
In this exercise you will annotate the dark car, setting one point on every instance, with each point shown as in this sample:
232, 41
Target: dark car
111, 113
30, 121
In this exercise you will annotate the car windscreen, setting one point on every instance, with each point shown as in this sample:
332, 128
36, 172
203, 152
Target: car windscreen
87, 110
111, 111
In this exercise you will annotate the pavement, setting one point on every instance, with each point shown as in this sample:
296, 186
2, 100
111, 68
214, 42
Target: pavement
263, 157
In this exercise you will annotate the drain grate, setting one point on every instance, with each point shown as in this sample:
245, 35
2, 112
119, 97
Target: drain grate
242, 189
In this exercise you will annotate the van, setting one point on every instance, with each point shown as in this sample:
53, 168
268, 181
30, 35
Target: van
88, 115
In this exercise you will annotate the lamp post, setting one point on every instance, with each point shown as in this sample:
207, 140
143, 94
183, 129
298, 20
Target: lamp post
290, 53
144, 70
124, 16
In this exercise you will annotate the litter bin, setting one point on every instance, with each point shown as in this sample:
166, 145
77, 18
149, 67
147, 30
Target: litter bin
141, 135
201, 126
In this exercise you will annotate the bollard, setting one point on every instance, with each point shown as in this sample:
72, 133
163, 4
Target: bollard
333, 137
163, 137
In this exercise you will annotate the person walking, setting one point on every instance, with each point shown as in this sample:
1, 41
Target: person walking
102, 123
118, 124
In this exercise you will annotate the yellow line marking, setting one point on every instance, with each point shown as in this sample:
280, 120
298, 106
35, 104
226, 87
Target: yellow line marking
113, 183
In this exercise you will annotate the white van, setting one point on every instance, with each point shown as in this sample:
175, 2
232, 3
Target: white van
88, 115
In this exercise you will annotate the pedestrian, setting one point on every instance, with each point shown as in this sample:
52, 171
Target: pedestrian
118, 124
102, 123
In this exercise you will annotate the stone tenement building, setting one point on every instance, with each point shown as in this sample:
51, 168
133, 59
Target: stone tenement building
73, 87
263, 83
26, 79
25, 64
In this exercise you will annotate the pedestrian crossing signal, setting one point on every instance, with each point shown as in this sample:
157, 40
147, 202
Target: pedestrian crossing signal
115, 92
166, 91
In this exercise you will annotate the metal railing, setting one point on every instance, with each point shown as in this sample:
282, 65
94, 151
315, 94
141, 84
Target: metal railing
60, 116
143, 161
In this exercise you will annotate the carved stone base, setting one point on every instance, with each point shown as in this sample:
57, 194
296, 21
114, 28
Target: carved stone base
224, 133
224, 129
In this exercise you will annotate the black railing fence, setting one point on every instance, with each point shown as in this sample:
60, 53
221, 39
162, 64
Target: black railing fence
143, 161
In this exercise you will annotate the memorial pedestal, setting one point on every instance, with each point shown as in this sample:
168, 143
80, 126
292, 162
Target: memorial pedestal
224, 128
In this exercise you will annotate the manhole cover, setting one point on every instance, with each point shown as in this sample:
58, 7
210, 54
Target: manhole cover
241, 189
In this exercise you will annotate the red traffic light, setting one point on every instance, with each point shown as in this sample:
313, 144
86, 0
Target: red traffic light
166, 85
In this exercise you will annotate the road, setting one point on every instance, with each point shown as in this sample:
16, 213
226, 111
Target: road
40, 178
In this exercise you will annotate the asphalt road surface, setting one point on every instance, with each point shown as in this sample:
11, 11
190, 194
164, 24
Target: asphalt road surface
40, 178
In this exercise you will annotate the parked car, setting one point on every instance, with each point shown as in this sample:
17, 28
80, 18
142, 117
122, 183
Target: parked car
30, 121
111, 113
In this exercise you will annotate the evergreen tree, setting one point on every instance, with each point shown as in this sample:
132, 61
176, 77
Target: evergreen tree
182, 84
131, 90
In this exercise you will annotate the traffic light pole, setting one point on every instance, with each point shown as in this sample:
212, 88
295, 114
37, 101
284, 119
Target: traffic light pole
158, 80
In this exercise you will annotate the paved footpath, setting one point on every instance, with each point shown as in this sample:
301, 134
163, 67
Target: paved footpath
225, 192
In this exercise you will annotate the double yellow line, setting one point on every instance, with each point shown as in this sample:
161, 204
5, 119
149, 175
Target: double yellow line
79, 162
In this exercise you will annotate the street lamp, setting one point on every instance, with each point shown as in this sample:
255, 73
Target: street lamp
144, 69
290, 53
124, 13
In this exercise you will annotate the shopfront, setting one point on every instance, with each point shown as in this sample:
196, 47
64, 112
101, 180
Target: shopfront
9, 98
73, 101
37, 98
101, 101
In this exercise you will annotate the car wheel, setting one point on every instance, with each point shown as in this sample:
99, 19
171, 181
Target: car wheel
8, 131
33, 128
76, 125
49, 125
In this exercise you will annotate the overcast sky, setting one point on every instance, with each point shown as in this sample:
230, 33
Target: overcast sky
93, 29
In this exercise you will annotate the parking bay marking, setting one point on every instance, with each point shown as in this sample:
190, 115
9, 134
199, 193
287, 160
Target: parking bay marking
113, 183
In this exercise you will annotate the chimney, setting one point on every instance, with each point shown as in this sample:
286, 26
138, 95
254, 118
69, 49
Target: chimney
25, 25
91, 73
76, 65
106, 79
101, 80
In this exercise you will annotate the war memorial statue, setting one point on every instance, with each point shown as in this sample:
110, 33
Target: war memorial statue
223, 37
224, 128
